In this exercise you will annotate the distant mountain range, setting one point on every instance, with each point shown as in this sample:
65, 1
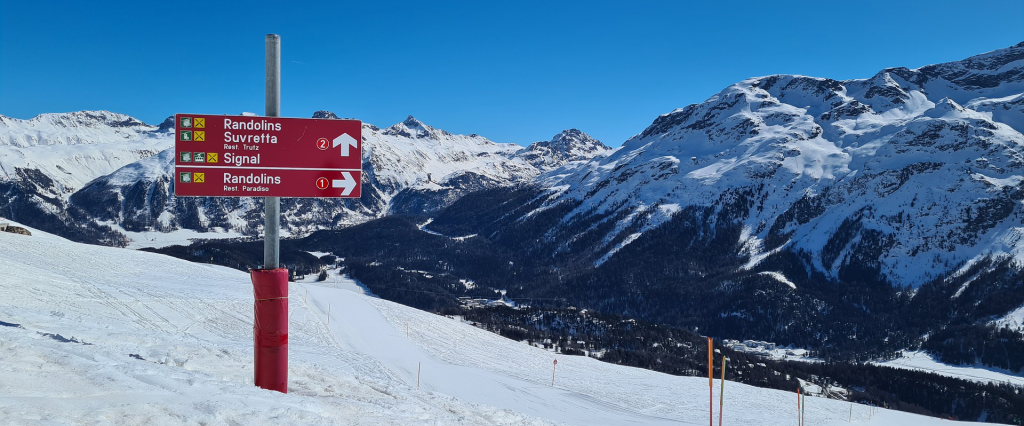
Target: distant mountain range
105, 177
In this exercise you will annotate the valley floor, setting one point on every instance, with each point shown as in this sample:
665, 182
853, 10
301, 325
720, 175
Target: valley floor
922, 361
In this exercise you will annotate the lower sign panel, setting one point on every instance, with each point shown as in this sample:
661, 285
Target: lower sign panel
263, 182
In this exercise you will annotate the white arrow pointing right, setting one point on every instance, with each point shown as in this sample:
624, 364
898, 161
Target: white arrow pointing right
345, 141
347, 183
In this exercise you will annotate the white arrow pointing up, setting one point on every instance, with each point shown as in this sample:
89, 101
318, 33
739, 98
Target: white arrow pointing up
347, 183
345, 141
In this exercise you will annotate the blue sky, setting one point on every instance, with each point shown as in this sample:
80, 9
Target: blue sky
511, 71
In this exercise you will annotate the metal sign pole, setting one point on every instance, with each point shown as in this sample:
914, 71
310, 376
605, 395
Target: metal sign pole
272, 205
270, 284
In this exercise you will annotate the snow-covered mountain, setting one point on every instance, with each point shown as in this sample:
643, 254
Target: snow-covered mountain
104, 170
75, 148
492, 165
912, 172
43, 161
82, 127
857, 218
108, 336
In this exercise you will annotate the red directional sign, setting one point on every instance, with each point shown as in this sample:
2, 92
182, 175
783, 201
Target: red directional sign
243, 156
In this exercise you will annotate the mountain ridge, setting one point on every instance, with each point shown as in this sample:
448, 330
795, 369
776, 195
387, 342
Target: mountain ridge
409, 166
813, 136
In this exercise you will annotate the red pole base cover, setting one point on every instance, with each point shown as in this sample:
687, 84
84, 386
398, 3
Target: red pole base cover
270, 330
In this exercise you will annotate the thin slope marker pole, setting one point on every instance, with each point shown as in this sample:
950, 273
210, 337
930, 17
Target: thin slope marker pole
711, 385
721, 393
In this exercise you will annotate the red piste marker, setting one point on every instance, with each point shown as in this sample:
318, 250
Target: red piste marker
553, 373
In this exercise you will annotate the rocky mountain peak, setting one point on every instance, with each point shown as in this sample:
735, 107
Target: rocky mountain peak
414, 128
167, 125
567, 146
325, 114
413, 123
576, 137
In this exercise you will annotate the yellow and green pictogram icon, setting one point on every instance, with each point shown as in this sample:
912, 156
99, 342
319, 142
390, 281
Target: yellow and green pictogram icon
192, 177
186, 122
186, 157
199, 136
211, 157
199, 157
199, 123
186, 135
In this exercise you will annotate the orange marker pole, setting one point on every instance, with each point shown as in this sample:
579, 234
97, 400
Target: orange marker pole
799, 418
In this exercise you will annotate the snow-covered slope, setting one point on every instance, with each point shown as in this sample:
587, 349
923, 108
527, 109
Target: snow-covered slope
95, 335
1014, 320
910, 171
155, 340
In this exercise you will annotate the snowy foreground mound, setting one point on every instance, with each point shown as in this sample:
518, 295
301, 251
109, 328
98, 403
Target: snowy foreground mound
95, 335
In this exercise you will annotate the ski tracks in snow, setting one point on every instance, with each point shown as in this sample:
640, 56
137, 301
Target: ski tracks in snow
168, 342
461, 361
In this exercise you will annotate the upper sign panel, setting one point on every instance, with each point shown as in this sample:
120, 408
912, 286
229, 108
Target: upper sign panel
223, 155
